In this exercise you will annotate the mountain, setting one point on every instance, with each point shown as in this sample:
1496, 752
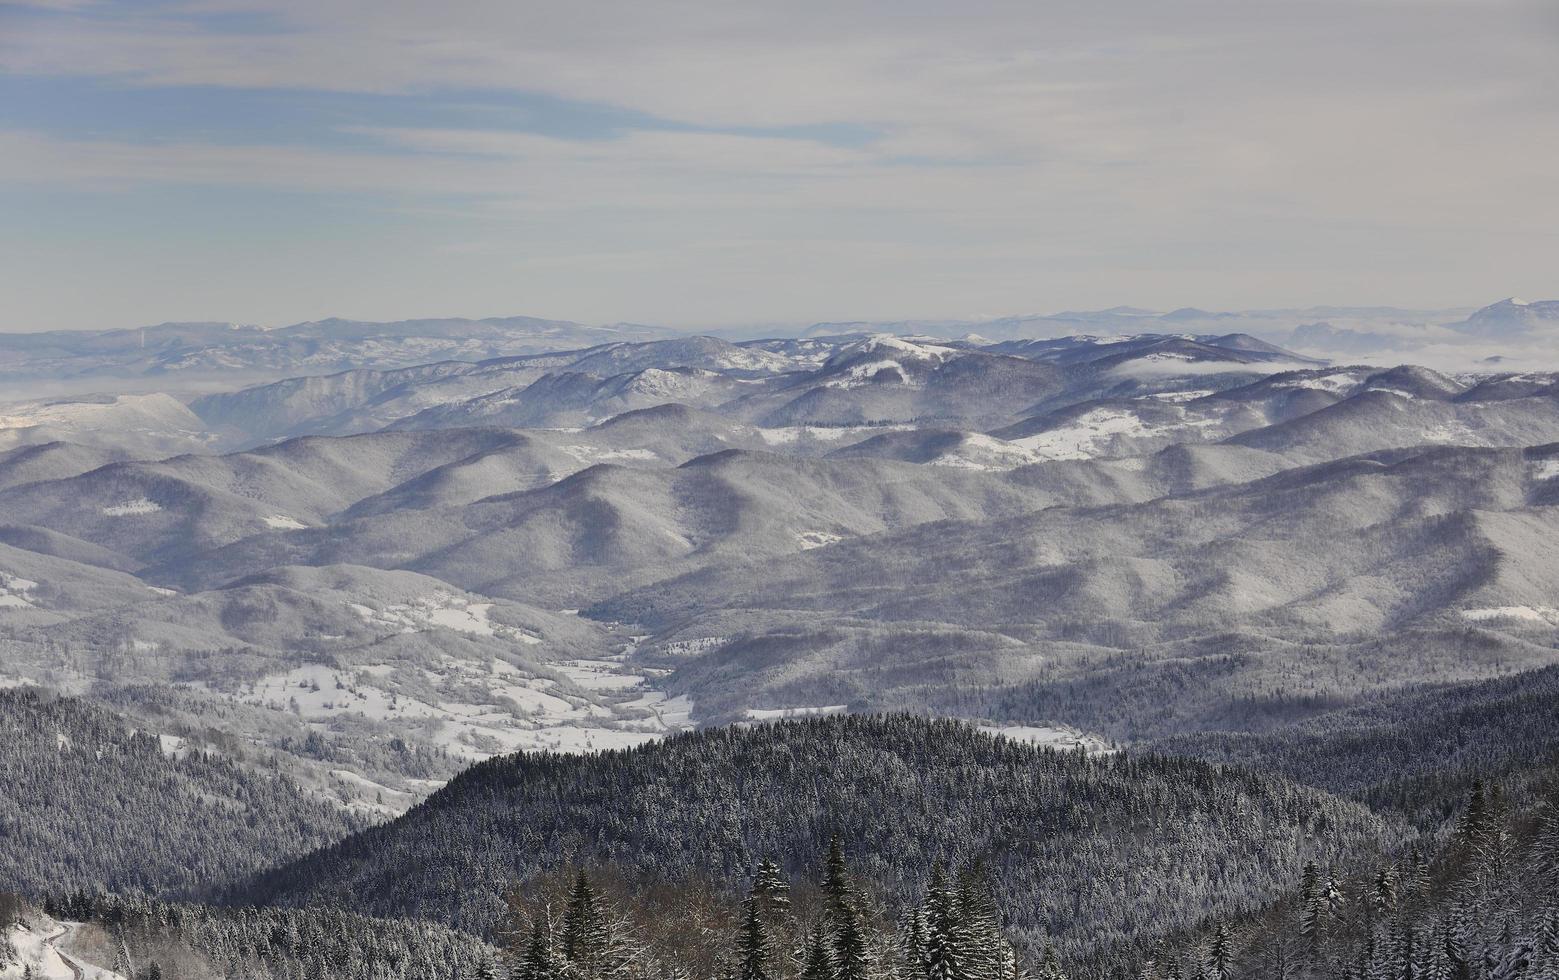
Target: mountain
1079, 612
92, 803
902, 791
1512, 318
177, 353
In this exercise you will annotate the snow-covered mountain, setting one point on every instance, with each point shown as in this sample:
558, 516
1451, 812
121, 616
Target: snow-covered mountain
762, 528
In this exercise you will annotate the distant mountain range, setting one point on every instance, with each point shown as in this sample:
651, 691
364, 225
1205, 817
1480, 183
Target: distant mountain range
1045, 533
190, 356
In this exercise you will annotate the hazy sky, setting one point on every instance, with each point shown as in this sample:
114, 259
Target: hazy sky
699, 163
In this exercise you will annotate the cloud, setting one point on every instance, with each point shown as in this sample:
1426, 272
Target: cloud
1173, 152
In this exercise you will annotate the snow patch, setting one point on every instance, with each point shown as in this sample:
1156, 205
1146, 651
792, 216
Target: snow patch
817, 539
775, 714
1546, 615
281, 522
1085, 436
16, 592
39, 955
1052, 737
129, 507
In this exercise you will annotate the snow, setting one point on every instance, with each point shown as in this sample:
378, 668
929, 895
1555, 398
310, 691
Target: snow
1334, 383
1182, 396
1546, 615
161, 591
37, 950
600, 675
702, 644
591, 454
282, 522
817, 539
1059, 738
977, 451
860, 374
15, 592
1545, 469
138, 506
787, 435
1085, 437
774, 714
441, 610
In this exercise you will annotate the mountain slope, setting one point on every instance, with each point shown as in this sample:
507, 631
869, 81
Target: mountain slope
91, 804
1073, 844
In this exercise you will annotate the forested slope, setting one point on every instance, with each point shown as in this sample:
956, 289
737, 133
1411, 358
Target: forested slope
1083, 850
87, 803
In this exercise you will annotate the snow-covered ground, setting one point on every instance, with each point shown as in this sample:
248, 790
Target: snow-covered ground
16, 592
1546, 615
1056, 738
39, 955
131, 507
440, 609
1084, 437
774, 714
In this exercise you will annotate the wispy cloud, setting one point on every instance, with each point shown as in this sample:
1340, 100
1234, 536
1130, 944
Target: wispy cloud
1184, 151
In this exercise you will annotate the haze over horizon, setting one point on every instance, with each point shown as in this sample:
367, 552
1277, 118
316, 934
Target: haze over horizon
703, 165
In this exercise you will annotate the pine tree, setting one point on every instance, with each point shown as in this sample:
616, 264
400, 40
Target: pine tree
1220, 955
586, 933
818, 961
753, 949
772, 888
1049, 969
947, 937
538, 961
836, 878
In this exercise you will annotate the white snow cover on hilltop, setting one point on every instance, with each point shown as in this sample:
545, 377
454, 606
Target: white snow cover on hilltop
1545, 469
138, 506
774, 714
1057, 738
1547, 615
440, 609
1085, 437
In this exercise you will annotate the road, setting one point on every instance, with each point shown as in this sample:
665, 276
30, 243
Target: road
53, 942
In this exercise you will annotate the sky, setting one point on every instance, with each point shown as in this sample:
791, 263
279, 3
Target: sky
708, 163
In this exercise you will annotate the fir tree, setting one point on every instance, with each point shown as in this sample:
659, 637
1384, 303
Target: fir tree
817, 961
946, 934
586, 933
538, 961
1220, 955
772, 888
753, 949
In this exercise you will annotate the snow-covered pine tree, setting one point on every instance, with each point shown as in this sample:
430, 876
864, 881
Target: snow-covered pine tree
1220, 954
914, 961
946, 935
753, 947
538, 960
818, 961
771, 887
586, 933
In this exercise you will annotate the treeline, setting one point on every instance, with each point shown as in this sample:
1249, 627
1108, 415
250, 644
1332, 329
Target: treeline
85, 802
1484, 906
1084, 851
1415, 752
162, 941
573, 927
